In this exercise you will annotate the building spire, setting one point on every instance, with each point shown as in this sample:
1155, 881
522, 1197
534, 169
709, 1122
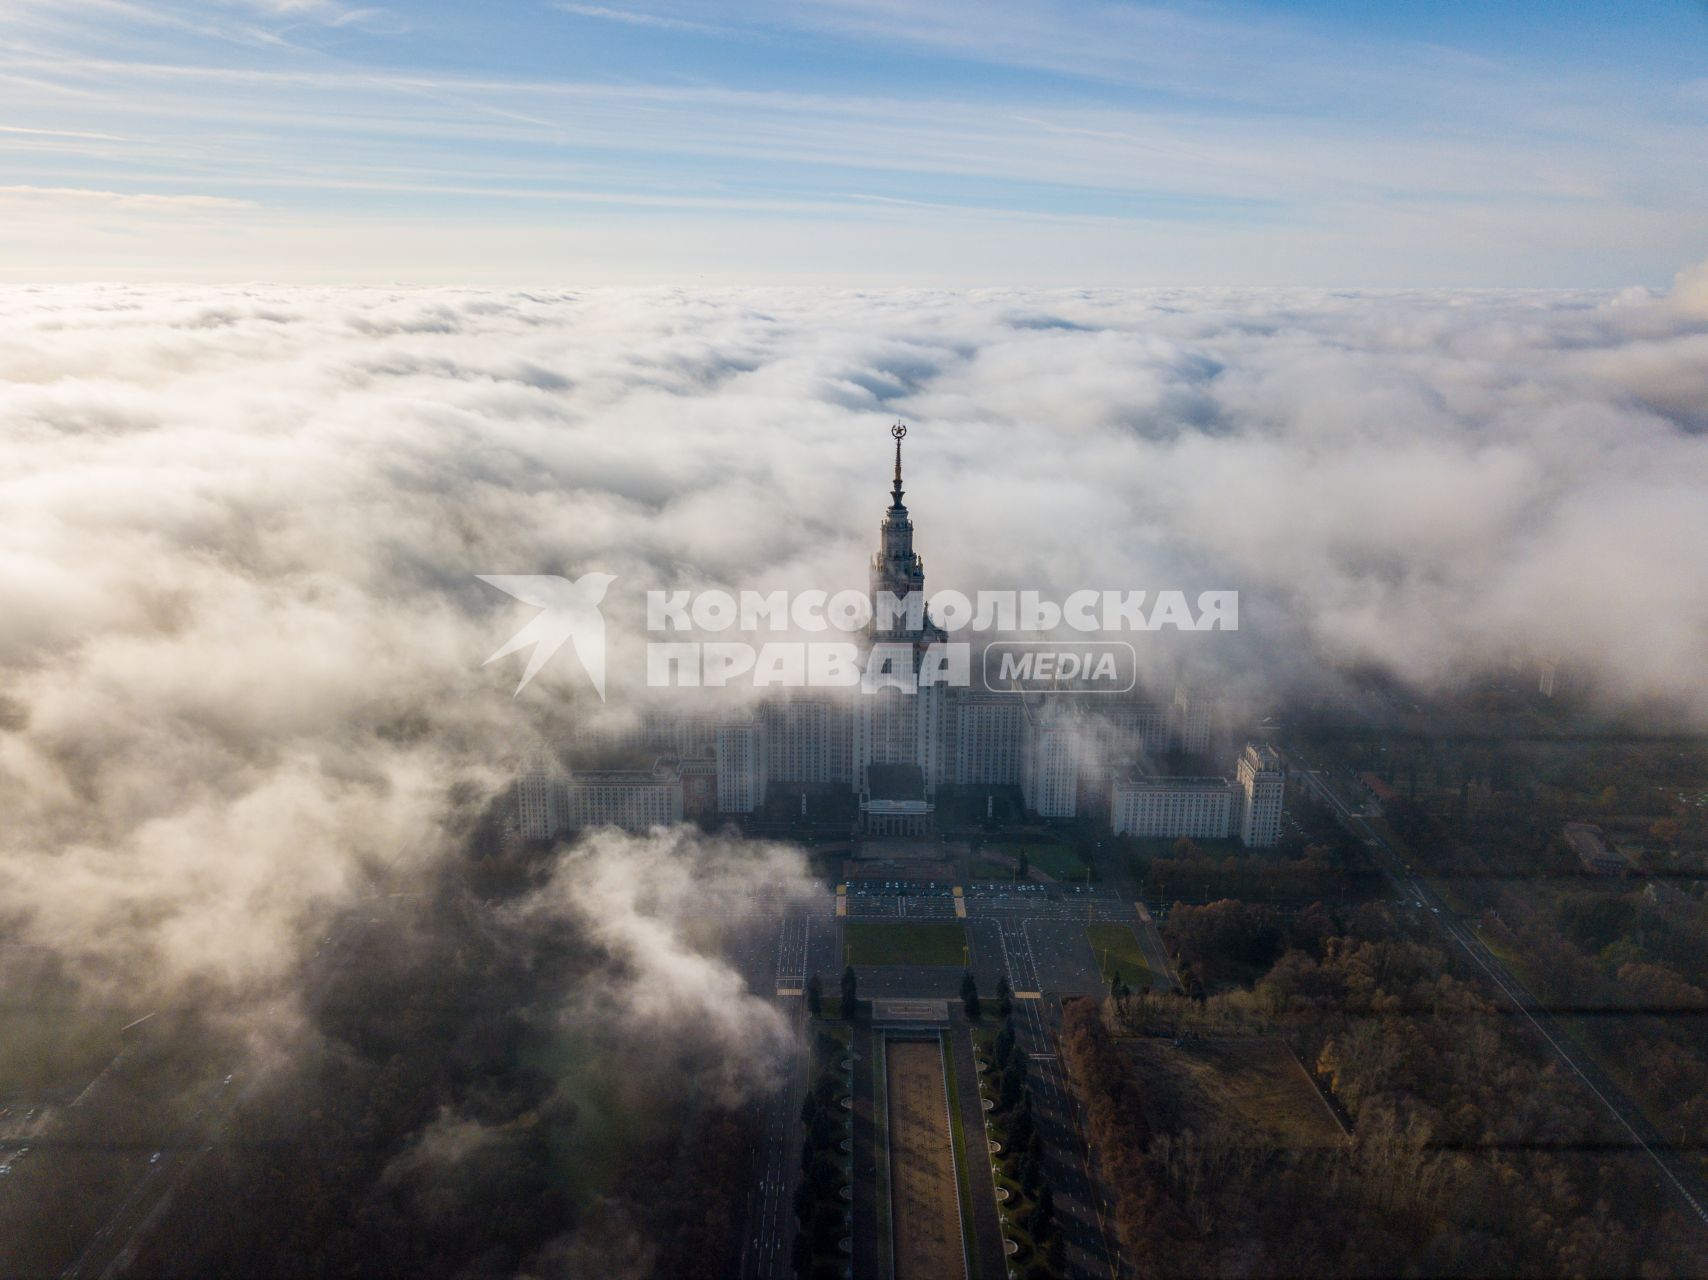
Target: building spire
898, 431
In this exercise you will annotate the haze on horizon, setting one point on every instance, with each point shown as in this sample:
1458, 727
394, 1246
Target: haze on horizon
559, 144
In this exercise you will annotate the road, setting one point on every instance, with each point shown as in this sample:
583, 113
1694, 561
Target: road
1679, 1180
778, 947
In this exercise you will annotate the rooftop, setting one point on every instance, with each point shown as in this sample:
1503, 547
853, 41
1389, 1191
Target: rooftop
1153, 782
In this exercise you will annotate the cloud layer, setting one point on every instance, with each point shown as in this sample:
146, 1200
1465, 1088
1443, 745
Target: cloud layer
242, 632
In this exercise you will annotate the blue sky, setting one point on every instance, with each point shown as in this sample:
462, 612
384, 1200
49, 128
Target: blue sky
962, 142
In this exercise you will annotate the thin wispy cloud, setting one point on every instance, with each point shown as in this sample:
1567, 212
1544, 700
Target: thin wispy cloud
634, 17
134, 200
1363, 156
62, 133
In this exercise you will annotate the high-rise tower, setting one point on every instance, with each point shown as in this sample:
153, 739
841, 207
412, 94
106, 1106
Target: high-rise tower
899, 726
896, 567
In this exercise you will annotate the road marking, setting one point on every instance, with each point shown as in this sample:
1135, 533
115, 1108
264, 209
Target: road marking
1028, 995
790, 991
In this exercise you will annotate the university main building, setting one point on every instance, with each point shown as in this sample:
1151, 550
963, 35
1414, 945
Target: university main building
1067, 756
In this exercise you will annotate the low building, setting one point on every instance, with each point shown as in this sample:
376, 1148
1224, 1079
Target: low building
1379, 790
1593, 851
1169, 808
633, 799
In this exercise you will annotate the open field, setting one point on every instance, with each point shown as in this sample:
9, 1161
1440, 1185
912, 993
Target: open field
1052, 857
926, 1209
1118, 952
1251, 1080
887, 942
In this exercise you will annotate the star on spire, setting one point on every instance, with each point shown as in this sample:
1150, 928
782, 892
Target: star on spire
898, 431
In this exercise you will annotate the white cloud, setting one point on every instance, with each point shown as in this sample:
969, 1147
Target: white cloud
240, 659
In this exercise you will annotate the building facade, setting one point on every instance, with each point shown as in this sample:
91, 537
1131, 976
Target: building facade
807, 738
1169, 808
1189, 722
740, 755
539, 800
1260, 786
633, 799
1049, 765
989, 737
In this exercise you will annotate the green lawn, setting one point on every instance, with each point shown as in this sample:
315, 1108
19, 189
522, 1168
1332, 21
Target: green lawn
886, 942
1049, 856
958, 1138
1118, 950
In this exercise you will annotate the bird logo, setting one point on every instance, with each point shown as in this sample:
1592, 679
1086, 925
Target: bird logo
568, 611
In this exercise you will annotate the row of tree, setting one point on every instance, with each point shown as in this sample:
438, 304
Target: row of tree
819, 1210
1115, 1127
850, 1006
1022, 1157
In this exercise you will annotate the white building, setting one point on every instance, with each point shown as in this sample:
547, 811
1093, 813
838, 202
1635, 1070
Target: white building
633, 799
1049, 765
740, 755
1260, 785
1172, 807
989, 736
800, 736
539, 799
